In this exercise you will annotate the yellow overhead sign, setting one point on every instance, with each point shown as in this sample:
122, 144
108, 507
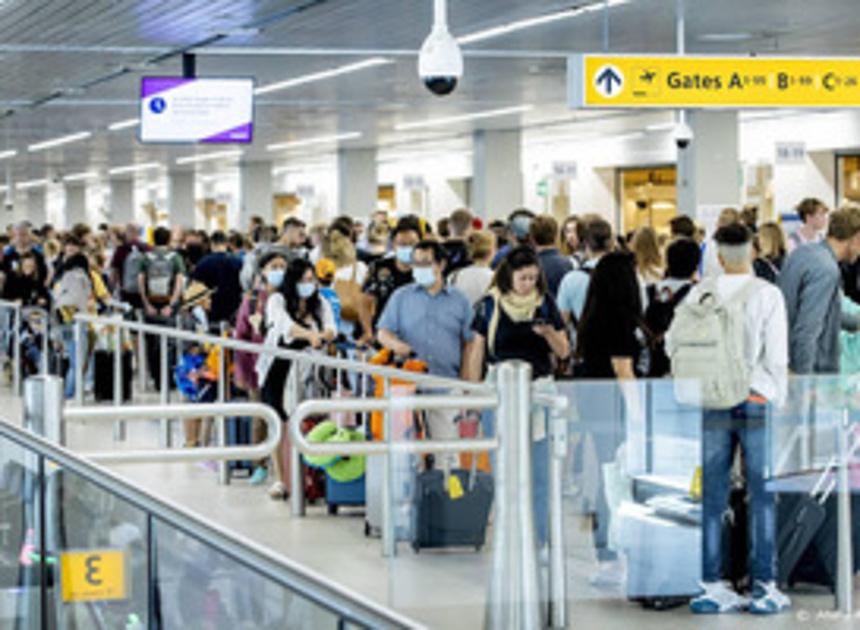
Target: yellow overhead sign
96, 575
703, 81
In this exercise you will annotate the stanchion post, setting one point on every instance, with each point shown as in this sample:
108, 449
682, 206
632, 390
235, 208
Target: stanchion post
845, 550
43, 407
389, 533
141, 356
297, 486
220, 421
164, 389
557, 578
118, 426
513, 599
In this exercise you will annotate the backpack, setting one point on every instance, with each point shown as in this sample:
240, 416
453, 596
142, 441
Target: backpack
658, 318
130, 270
73, 290
160, 270
707, 349
349, 293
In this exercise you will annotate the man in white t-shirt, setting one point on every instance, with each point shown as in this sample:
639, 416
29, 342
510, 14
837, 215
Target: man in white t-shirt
766, 344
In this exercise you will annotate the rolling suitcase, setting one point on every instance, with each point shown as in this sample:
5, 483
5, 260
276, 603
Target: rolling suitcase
452, 518
338, 493
104, 385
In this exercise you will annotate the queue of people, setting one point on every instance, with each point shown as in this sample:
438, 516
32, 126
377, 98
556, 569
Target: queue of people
571, 300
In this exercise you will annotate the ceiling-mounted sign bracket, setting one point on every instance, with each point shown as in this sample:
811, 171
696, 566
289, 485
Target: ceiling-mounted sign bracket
701, 81
189, 66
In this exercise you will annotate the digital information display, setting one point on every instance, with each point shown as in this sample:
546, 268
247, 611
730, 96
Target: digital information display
180, 110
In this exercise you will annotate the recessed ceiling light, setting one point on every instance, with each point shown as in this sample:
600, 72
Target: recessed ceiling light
56, 142
450, 120
33, 183
79, 177
720, 38
220, 155
133, 168
124, 124
5, 155
293, 144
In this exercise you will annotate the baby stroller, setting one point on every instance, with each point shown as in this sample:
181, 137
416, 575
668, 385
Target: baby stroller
34, 329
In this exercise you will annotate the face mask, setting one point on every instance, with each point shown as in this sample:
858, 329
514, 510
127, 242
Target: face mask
404, 255
520, 227
425, 276
306, 289
275, 277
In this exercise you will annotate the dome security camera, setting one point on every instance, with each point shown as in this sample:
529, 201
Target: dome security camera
683, 134
440, 62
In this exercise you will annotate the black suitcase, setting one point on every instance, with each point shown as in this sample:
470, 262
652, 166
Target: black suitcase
441, 521
103, 386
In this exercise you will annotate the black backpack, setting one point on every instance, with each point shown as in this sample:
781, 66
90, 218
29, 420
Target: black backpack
658, 318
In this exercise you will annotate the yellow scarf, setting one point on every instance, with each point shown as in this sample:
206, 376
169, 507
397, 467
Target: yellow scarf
520, 308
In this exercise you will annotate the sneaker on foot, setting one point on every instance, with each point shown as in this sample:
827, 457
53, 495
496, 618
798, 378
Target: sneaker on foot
259, 477
278, 491
767, 599
718, 597
609, 573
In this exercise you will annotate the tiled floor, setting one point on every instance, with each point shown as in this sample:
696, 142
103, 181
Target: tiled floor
440, 589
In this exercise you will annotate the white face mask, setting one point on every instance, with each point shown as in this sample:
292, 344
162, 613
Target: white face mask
306, 289
275, 277
425, 276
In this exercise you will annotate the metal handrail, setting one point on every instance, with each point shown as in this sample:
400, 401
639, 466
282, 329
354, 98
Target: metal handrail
293, 355
309, 584
413, 403
154, 412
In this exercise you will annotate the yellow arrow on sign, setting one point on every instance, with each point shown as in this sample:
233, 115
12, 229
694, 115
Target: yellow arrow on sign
621, 81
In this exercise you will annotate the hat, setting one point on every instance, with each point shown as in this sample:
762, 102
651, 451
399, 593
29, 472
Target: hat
195, 294
325, 268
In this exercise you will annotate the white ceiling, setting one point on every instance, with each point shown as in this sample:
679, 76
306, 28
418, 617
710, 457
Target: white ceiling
83, 59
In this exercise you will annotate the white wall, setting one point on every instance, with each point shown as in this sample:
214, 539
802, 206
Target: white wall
440, 198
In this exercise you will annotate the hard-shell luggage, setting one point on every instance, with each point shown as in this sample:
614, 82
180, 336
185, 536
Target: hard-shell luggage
338, 493
452, 511
104, 385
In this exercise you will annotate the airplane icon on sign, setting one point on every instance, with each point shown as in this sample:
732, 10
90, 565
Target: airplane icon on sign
648, 76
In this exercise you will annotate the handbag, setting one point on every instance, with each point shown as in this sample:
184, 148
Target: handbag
349, 293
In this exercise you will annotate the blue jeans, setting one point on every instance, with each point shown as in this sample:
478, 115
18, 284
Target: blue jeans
69, 342
746, 425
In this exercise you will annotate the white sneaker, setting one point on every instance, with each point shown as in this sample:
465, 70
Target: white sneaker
768, 599
718, 597
609, 573
278, 491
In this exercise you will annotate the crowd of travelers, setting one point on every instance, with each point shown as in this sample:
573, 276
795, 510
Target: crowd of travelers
572, 299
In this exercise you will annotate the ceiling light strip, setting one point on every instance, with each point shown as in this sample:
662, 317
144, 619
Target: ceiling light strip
311, 141
540, 20
124, 124
33, 183
79, 177
221, 155
133, 168
321, 76
450, 120
5, 155
56, 142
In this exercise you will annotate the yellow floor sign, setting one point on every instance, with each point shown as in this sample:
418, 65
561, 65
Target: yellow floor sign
620, 81
95, 575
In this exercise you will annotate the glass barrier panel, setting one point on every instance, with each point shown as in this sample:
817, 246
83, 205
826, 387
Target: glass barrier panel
20, 552
199, 587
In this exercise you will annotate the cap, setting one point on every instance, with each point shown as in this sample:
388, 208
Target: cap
325, 268
195, 294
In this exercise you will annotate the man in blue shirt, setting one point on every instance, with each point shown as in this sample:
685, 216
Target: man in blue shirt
220, 271
432, 321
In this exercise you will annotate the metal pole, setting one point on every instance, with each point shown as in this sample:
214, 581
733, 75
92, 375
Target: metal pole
16, 352
680, 28
119, 426
513, 599
164, 391
43, 407
141, 356
46, 331
845, 551
297, 487
557, 578
220, 428
389, 533
606, 26
79, 332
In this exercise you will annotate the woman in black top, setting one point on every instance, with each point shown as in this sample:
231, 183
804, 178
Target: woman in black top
607, 347
519, 320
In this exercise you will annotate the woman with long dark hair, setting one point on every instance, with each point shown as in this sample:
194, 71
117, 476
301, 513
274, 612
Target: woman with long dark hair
607, 349
296, 318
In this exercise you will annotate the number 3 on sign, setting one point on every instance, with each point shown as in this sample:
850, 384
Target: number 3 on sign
94, 575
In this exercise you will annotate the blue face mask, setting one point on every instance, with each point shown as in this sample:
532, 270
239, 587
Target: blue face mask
306, 289
275, 277
404, 254
425, 276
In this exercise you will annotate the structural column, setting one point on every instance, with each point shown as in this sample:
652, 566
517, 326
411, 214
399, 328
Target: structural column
709, 176
36, 210
358, 188
497, 183
255, 193
122, 201
180, 199
76, 204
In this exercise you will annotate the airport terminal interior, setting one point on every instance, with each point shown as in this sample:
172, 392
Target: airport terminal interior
449, 314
